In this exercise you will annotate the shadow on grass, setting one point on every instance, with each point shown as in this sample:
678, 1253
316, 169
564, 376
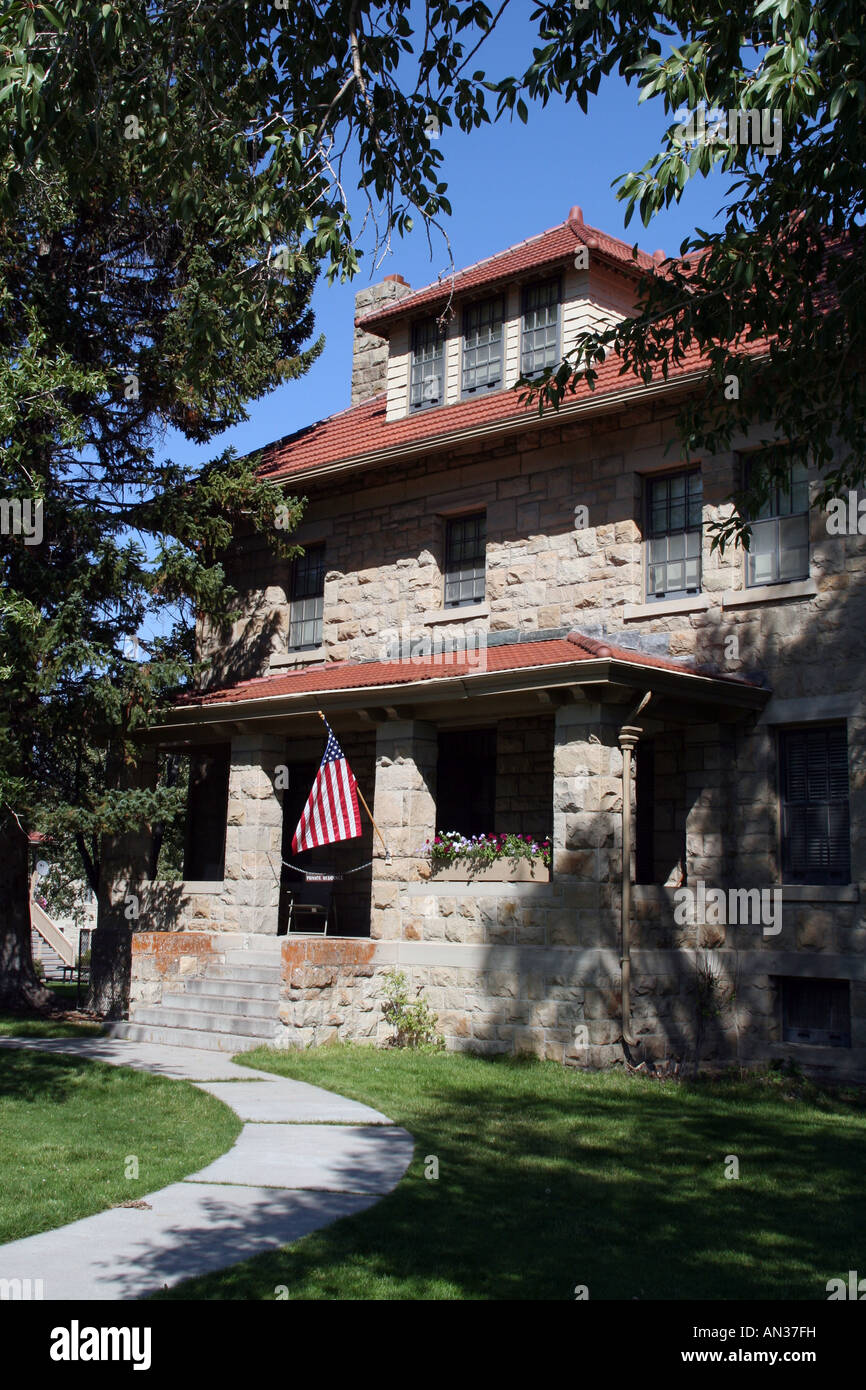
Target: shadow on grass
549, 1179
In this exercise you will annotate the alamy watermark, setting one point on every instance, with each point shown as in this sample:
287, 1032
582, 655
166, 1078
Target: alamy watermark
465, 648
759, 128
719, 907
22, 517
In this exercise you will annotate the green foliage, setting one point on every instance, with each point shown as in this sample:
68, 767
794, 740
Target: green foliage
412, 1020
776, 300
479, 851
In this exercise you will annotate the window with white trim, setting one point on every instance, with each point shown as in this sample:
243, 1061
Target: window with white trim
779, 547
427, 383
482, 346
465, 560
539, 343
307, 603
674, 521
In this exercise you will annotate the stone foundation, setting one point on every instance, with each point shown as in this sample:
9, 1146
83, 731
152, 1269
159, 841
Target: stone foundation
559, 1003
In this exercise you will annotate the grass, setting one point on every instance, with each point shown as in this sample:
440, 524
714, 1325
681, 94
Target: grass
68, 1128
30, 1025
550, 1178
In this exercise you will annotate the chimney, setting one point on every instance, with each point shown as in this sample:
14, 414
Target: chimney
370, 352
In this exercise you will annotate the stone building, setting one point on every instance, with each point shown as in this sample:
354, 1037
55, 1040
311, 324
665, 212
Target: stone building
516, 623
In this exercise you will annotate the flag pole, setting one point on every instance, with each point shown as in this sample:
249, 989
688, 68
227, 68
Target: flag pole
363, 801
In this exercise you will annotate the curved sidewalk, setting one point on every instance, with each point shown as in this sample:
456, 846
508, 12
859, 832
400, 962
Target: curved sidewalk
304, 1158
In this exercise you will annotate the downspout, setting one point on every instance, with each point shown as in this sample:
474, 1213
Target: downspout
628, 738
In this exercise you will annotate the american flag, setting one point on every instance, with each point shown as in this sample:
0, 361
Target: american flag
331, 812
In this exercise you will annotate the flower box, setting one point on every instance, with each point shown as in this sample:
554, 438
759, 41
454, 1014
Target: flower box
503, 872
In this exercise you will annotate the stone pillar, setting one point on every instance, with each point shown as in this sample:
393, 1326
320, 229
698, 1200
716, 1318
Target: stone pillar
404, 808
587, 824
254, 832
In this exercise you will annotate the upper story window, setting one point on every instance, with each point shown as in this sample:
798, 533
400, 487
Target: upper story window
307, 599
816, 846
482, 346
674, 530
539, 346
465, 560
427, 386
779, 548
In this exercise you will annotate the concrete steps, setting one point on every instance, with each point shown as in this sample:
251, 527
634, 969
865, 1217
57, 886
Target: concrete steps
233, 1007
183, 1037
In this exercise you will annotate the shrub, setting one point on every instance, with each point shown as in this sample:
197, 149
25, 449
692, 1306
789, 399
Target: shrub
413, 1022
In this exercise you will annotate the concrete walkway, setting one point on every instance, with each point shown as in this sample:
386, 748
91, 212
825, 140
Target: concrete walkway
304, 1158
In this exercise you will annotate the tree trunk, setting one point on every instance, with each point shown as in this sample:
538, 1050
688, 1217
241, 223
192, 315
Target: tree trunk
20, 989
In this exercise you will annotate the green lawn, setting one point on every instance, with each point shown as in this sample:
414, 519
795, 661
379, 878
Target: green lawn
68, 1127
550, 1178
29, 1026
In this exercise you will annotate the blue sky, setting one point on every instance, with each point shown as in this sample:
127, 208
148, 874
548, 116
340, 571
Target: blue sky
506, 181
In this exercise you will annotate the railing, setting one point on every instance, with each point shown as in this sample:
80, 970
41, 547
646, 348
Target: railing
53, 936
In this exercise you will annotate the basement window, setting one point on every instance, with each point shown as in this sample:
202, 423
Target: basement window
816, 1012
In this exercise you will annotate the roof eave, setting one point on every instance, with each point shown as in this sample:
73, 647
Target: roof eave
594, 671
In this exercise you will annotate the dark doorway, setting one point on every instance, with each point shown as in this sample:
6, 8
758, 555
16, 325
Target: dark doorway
207, 810
466, 781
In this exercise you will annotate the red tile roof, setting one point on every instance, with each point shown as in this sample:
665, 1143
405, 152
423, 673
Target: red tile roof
535, 253
517, 656
362, 432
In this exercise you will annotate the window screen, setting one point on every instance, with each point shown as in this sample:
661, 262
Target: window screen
816, 1012
814, 793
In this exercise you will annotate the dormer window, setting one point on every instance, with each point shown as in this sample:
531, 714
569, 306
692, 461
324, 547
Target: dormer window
427, 386
482, 346
539, 346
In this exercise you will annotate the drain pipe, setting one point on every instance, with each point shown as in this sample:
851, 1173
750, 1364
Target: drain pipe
629, 735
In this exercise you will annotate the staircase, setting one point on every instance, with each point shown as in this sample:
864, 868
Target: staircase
232, 1008
52, 963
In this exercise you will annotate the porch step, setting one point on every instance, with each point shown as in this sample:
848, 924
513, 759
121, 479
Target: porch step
209, 1022
183, 1037
254, 975
238, 988
218, 1004
257, 957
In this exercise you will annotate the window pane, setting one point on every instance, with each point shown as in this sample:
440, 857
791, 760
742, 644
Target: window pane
794, 547
815, 814
674, 521
428, 358
465, 560
540, 333
761, 556
307, 604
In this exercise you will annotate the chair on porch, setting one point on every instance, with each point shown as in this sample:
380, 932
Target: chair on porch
311, 901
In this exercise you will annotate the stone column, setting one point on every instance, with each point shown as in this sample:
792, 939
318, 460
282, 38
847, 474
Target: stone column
405, 810
587, 825
254, 832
